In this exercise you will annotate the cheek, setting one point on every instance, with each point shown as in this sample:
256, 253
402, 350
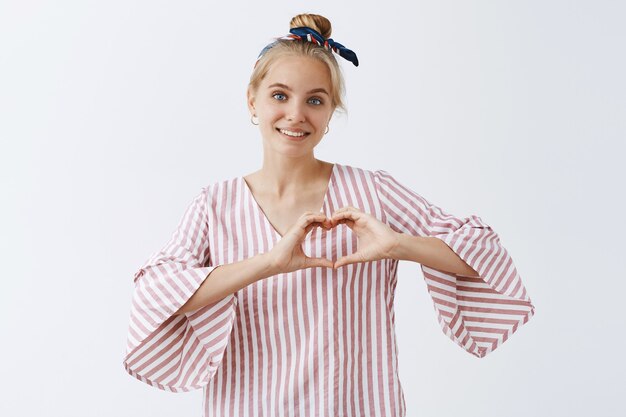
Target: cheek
270, 112
322, 118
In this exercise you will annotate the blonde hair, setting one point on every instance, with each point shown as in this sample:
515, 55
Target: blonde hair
284, 48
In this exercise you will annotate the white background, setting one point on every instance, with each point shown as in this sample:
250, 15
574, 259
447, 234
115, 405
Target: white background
114, 114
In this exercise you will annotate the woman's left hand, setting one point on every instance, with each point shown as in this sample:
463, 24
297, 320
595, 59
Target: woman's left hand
376, 240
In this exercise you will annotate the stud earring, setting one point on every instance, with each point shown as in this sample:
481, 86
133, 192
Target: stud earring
252, 120
327, 129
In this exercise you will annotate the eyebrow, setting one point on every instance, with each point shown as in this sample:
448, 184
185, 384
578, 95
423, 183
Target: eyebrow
315, 90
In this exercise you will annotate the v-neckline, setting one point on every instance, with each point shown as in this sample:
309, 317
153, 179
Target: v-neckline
277, 235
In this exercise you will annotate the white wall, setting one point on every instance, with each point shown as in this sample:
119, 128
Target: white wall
113, 114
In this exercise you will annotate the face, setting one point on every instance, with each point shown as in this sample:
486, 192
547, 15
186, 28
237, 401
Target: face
293, 104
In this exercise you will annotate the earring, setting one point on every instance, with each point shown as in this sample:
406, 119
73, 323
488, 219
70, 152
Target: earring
327, 129
252, 120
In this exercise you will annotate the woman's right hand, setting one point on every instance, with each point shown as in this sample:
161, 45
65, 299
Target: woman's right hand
287, 255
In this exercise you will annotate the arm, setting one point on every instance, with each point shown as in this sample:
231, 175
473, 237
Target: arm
228, 279
478, 311
182, 352
431, 252
285, 256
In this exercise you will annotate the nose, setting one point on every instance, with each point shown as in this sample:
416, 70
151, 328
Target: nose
295, 112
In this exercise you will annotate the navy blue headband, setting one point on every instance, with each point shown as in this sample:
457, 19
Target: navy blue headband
311, 35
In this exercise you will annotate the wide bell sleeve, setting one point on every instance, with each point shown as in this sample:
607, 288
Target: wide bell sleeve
178, 352
477, 313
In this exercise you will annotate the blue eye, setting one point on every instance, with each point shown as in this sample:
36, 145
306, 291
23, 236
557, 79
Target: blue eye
317, 100
278, 94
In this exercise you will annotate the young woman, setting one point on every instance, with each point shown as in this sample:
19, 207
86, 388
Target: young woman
275, 292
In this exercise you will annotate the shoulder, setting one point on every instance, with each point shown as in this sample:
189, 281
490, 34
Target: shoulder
375, 181
222, 185
367, 174
206, 195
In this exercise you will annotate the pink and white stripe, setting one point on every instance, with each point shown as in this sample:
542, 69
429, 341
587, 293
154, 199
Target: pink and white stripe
477, 313
315, 342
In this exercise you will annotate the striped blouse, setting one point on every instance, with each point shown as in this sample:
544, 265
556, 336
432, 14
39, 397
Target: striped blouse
317, 341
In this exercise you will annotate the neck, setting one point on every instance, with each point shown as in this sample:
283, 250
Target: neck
290, 176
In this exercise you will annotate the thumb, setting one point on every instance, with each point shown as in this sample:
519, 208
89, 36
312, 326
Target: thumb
314, 262
345, 260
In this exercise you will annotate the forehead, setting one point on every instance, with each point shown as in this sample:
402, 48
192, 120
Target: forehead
298, 72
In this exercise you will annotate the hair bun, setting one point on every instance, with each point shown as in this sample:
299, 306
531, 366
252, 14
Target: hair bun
313, 21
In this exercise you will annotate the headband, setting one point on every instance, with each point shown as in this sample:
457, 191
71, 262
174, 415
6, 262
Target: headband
311, 35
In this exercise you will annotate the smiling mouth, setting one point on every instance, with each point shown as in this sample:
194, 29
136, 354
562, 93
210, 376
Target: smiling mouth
292, 133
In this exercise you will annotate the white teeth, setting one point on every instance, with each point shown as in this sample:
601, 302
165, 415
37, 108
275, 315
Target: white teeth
290, 133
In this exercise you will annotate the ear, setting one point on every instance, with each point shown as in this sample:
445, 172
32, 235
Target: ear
251, 101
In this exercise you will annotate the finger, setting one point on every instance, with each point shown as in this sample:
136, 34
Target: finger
347, 260
347, 222
313, 225
348, 214
311, 220
307, 219
315, 262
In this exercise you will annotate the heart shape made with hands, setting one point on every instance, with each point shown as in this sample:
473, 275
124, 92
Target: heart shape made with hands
328, 224
348, 216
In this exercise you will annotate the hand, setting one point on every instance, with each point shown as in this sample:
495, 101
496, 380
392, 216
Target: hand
287, 255
376, 240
